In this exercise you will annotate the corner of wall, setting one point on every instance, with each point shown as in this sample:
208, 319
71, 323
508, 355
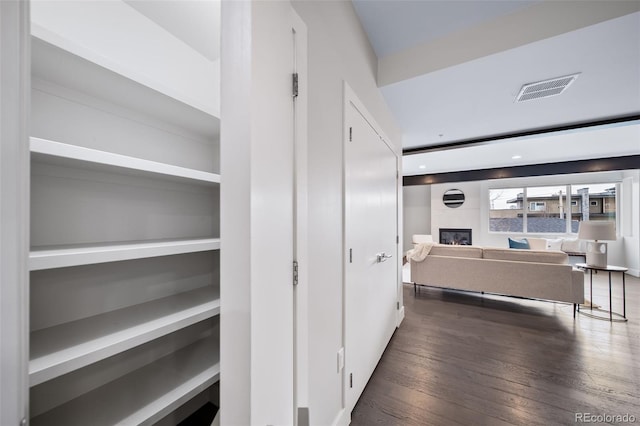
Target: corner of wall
631, 220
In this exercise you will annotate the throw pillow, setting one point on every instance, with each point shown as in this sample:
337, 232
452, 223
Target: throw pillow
519, 244
554, 244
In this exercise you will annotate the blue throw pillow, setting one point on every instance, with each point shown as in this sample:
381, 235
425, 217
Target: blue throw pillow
519, 244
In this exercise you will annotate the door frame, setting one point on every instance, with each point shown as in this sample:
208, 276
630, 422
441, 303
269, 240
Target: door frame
258, 322
15, 87
300, 229
351, 99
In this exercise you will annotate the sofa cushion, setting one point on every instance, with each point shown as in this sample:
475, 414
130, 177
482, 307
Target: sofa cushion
540, 256
456, 251
519, 244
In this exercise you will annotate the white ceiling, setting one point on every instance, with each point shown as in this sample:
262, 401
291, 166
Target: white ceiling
470, 97
476, 98
593, 142
393, 26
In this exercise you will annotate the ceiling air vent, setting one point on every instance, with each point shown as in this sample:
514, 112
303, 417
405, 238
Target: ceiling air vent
546, 88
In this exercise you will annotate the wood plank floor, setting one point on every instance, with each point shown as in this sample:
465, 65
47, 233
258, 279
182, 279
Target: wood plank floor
470, 359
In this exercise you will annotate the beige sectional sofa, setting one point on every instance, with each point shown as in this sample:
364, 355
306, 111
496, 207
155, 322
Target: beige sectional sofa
536, 274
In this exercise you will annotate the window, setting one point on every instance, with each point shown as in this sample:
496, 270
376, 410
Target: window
505, 210
598, 202
537, 206
550, 209
546, 209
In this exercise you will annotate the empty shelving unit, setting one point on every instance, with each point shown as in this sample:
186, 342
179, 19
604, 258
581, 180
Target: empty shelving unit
124, 260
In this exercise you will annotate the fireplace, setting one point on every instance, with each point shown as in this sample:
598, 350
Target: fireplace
457, 236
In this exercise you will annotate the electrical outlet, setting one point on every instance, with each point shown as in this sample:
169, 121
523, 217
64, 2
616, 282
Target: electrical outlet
340, 359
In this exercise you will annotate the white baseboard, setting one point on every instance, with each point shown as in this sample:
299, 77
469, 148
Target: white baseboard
216, 419
400, 316
634, 272
342, 419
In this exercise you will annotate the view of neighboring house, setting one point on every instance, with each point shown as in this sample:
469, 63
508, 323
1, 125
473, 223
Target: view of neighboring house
601, 206
551, 211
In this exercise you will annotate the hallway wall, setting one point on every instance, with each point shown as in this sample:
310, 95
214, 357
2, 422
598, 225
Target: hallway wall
338, 50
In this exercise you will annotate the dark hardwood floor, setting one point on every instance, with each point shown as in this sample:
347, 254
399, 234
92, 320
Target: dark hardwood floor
470, 359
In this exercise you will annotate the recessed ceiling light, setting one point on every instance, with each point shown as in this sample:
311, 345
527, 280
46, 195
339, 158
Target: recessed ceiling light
422, 166
516, 157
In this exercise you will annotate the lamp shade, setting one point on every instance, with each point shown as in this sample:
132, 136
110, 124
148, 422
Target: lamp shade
598, 230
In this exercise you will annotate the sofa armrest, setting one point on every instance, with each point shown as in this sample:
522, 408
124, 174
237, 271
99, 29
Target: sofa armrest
577, 284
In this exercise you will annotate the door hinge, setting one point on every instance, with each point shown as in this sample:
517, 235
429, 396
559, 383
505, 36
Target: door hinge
397, 306
295, 272
397, 239
350, 255
23, 422
295, 85
350, 134
350, 380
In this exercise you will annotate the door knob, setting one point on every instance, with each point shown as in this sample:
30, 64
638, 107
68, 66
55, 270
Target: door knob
382, 257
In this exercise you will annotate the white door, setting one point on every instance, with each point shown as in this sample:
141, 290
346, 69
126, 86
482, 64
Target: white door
371, 266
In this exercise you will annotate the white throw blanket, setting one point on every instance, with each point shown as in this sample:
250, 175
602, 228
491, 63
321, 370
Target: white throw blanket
420, 252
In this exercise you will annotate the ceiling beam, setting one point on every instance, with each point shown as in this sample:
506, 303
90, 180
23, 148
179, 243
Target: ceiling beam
487, 140
537, 22
628, 162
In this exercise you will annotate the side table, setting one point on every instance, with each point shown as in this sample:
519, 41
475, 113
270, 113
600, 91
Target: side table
609, 269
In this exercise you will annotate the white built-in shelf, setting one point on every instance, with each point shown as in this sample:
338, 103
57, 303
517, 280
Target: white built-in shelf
117, 115
63, 348
71, 70
46, 151
64, 256
146, 395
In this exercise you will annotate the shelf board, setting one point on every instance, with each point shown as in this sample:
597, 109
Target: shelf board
145, 395
47, 151
67, 347
64, 256
68, 68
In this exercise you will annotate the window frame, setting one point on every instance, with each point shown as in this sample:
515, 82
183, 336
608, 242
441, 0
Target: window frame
567, 211
521, 209
537, 204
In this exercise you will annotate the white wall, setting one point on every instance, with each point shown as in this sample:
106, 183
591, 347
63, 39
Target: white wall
416, 212
465, 216
474, 213
337, 50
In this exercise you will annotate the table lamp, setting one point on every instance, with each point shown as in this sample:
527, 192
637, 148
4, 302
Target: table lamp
597, 231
